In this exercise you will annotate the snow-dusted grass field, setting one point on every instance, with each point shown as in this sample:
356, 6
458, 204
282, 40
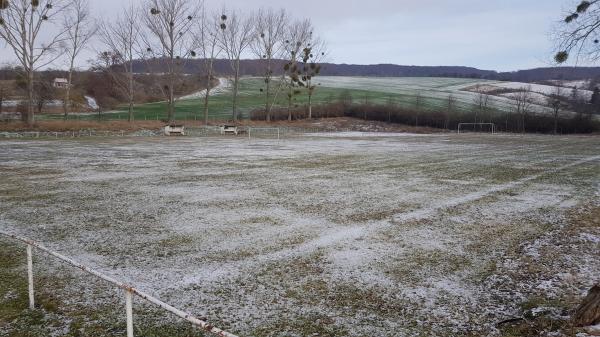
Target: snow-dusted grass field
323, 235
402, 91
435, 91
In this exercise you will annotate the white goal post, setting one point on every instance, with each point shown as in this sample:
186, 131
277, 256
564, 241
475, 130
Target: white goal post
490, 126
264, 132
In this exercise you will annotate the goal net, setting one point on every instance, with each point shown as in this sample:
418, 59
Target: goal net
477, 127
265, 133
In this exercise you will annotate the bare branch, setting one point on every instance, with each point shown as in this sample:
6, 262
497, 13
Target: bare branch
21, 24
237, 34
169, 39
579, 33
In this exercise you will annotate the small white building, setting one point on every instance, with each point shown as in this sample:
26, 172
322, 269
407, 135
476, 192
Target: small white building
61, 83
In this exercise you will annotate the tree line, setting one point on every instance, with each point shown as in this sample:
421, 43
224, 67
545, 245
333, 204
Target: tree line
165, 35
560, 111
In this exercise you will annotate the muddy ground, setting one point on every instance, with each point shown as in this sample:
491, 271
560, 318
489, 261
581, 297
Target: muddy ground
326, 124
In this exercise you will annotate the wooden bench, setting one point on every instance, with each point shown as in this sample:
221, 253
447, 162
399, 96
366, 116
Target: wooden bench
229, 129
174, 130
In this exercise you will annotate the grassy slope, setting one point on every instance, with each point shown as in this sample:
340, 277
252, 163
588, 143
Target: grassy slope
402, 91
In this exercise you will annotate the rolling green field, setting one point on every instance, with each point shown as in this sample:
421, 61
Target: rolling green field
434, 93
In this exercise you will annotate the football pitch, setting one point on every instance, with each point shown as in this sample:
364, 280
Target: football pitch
339, 234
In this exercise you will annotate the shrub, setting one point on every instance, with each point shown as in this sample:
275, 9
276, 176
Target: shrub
505, 121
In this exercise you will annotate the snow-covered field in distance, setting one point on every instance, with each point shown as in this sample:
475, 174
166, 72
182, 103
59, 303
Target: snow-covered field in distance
441, 88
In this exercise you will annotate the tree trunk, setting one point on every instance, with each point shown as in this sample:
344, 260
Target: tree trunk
68, 94
130, 112
268, 83
268, 108
588, 312
206, 97
309, 106
236, 88
131, 96
206, 104
30, 112
171, 101
555, 124
290, 98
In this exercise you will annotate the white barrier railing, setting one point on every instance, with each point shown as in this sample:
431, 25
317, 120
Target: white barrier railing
129, 290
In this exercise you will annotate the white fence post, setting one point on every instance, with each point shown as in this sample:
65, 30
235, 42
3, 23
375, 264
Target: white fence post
30, 276
129, 312
129, 291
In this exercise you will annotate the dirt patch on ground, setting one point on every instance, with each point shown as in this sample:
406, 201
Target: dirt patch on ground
347, 124
329, 124
60, 126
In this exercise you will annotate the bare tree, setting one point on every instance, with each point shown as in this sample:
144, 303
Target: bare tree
237, 36
390, 105
481, 101
577, 103
522, 102
345, 99
555, 102
579, 32
43, 93
298, 35
268, 46
21, 25
207, 40
168, 42
305, 52
418, 105
579, 35
311, 55
80, 29
3, 93
121, 37
450, 107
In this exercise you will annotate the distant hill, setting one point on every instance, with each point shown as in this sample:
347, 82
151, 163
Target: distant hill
555, 73
255, 67
530, 75
393, 70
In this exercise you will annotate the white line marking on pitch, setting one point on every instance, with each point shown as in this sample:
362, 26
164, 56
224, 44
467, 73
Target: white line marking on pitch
426, 212
349, 233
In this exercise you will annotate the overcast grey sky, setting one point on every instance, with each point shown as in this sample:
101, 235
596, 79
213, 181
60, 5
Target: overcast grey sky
487, 34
